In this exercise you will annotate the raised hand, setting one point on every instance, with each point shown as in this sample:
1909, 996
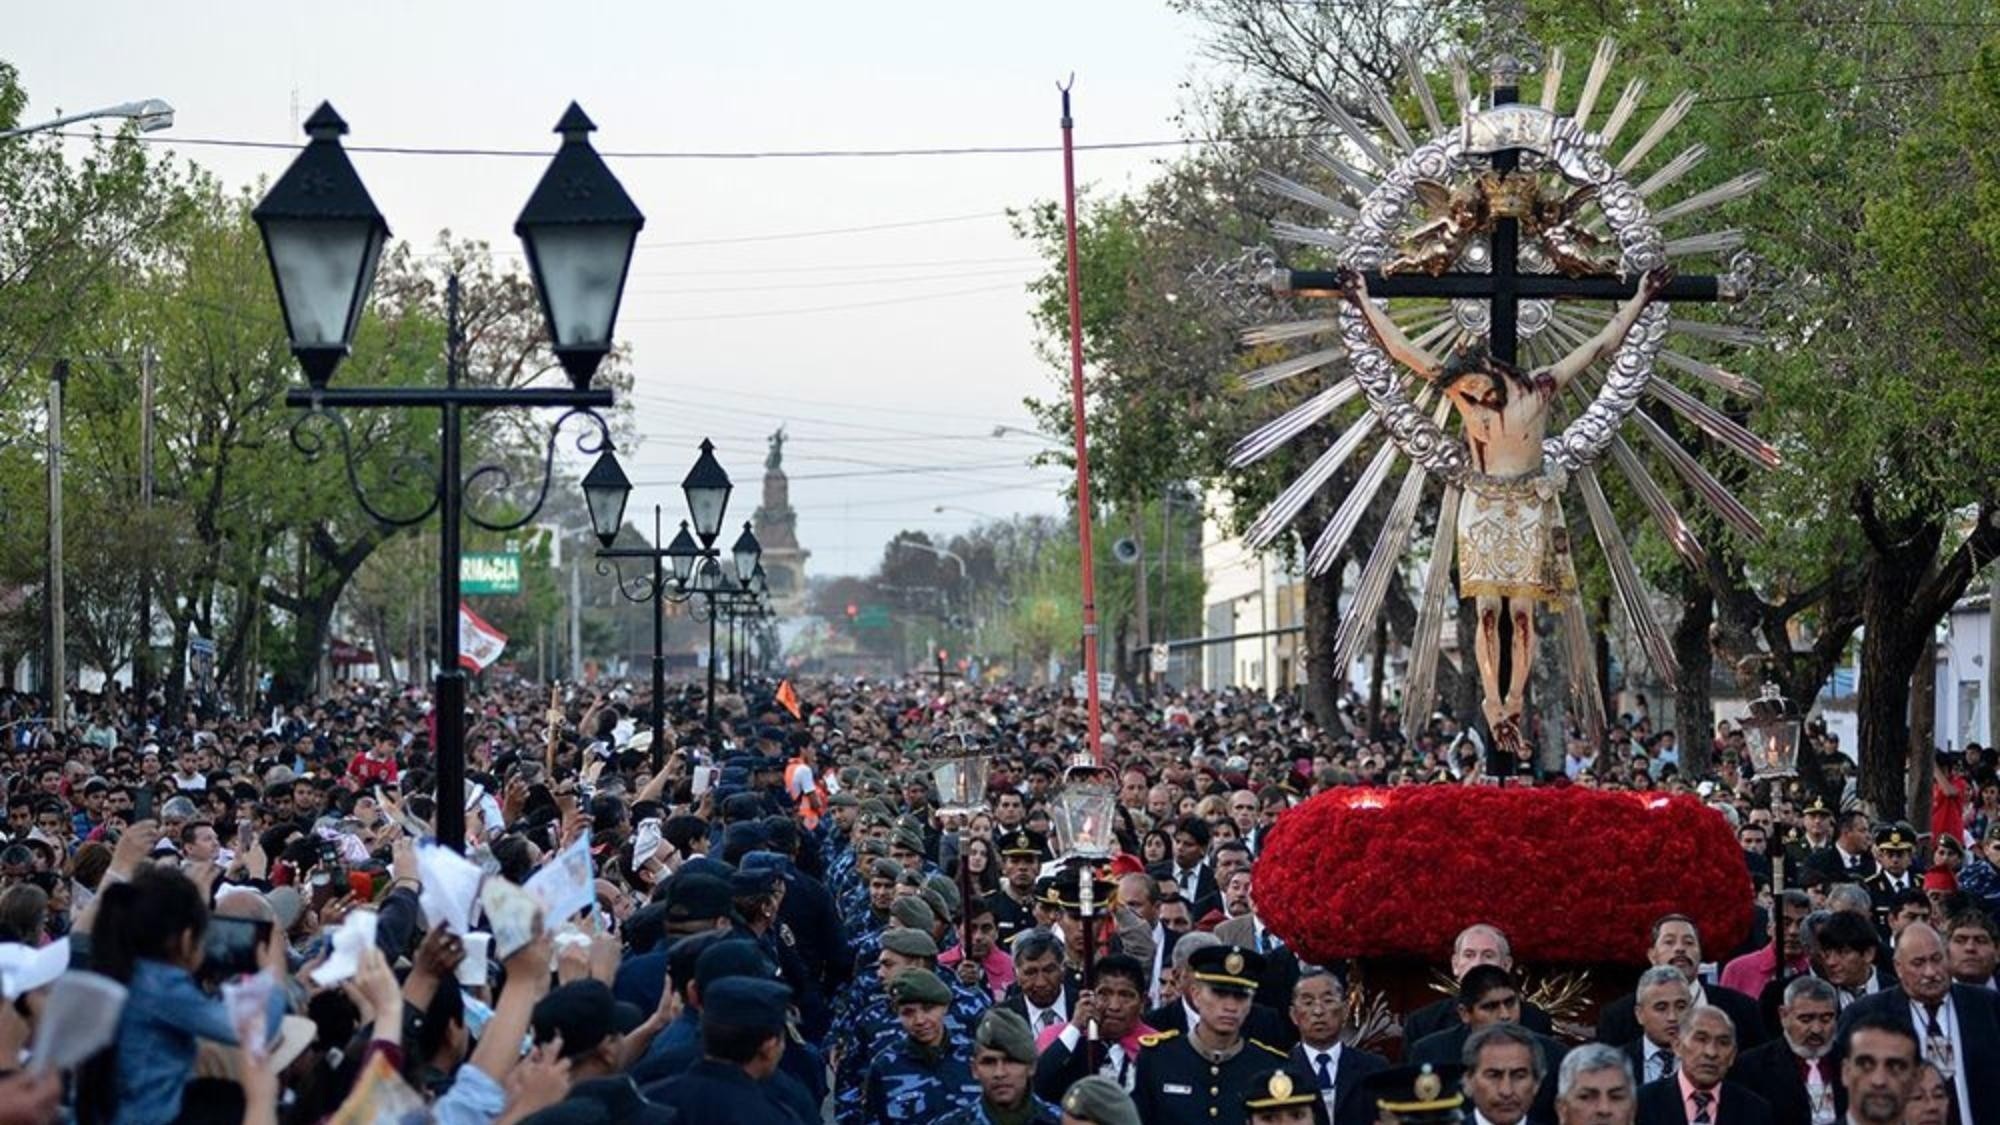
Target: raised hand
1352, 284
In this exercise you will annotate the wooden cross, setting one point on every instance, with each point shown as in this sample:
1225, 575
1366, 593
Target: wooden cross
1506, 287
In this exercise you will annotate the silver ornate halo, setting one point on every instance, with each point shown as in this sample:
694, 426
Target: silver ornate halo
1579, 157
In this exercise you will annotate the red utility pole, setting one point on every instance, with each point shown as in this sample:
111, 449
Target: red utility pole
1082, 446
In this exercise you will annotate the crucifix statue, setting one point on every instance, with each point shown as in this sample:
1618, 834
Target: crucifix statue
1513, 548
1516, 267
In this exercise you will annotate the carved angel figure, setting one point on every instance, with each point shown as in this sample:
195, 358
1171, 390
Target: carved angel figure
1434, 247
1574, 249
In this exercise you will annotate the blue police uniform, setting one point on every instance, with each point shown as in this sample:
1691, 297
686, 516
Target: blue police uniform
908, 1083
979, 1113
710, 1088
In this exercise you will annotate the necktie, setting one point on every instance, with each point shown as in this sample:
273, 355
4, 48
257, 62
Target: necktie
1819, 1095
1937, 1045
1046, 1020
1325, 1075
1663, 1063
1702, 1100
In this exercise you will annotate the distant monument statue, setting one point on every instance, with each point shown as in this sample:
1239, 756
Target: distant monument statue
776, 525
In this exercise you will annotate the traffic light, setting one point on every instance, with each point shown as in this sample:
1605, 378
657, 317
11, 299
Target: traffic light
853, 611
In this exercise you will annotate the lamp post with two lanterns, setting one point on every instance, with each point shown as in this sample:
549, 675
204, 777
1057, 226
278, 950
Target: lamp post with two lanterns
687, 567
324, 237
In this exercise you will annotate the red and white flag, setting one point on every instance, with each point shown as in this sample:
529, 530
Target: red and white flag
479, 643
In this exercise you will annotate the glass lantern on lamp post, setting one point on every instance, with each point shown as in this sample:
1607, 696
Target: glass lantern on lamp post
1771, 734
1085, 820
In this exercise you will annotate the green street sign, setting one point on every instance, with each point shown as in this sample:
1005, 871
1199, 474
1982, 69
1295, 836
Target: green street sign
496, 572
872, 617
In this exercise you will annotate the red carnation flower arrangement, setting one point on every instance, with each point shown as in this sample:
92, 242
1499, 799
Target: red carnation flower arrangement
1572, 876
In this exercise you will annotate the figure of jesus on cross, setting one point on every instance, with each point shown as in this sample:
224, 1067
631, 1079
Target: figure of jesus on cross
1513, 550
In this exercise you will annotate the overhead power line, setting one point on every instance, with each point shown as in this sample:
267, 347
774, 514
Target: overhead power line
1018, 287
829, 231
848, 283
842, 267
989, 150
672, 154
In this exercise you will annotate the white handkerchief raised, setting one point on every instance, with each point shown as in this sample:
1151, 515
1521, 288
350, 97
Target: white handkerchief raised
450, 891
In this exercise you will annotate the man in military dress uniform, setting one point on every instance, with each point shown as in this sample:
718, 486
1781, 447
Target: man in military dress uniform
1893, 847
1802, 842
1021, 855
1203, 1076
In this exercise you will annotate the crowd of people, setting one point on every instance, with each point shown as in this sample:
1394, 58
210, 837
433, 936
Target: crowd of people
783, 921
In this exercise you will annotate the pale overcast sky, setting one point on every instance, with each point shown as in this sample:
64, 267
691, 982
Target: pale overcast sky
915, 377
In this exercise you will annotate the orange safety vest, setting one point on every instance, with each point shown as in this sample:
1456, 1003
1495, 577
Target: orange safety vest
812, 800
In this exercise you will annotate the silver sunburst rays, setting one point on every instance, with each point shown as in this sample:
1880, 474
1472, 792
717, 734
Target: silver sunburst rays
1379, 187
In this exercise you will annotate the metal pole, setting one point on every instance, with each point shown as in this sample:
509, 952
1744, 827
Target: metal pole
1082, 445
59, 672
575, 619
448, 698
659, 650
1166, 628
142, 655
1993, 655
714, 741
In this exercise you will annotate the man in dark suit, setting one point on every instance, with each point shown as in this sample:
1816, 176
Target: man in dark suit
1663, 1003
1488, 997
1114, 1001
1043, 993
1504, 1067
1192, 874
1950, 1021
1698, 1093
1846, 860
1676, 942
1319, 1011
1792, 1072
1478, 944
1140, 893
1845, 954
1264, 1023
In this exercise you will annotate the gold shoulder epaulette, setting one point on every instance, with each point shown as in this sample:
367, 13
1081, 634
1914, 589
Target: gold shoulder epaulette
1273, 1050
1156, 1038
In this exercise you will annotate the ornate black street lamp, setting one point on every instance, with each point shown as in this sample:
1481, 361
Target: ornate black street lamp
324, 238
685, 568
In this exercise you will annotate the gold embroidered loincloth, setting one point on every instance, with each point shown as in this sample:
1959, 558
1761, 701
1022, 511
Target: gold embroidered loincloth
1512, 542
